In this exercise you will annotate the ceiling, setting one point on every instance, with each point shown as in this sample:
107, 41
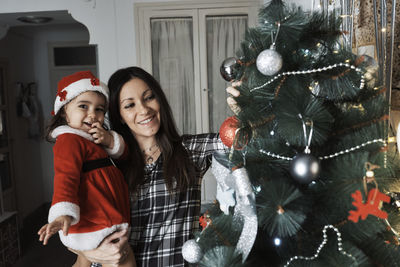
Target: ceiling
59, 17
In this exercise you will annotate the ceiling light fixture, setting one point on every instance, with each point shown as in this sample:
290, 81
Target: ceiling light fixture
35, 19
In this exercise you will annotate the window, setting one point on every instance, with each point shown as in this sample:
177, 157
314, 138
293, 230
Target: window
66, 58
183, 45
76, 55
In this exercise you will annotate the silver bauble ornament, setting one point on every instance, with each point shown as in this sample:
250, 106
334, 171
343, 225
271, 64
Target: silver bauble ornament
191, 251
269, 62
371, 70
229, 68
304, 168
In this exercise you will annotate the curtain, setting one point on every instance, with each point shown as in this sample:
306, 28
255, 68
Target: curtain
173, 66
224, 34
172, 61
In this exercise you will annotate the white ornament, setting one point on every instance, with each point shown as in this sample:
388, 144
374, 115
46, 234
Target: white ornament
269, 62
191, 251
225, 198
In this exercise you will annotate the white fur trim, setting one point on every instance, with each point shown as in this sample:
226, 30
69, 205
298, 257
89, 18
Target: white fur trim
66, 129
88, 241
119, 146
76, 88
65, 208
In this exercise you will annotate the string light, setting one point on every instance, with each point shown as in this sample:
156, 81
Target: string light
277, 241
323, 243
329, 156
362, 81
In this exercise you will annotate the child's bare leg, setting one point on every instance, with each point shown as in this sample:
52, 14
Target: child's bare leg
81, 261
128, 262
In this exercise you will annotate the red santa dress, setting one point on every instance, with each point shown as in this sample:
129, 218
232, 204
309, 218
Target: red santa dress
98, 199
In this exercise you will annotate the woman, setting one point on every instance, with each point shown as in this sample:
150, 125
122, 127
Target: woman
163, 170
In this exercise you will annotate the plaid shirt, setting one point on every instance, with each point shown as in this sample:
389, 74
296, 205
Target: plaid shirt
161, 222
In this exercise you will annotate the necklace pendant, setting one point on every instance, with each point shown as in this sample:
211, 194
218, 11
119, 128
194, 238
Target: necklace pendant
149, 159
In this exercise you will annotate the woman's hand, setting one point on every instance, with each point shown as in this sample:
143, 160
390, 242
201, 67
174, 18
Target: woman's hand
101, 135
235, 93
113, 249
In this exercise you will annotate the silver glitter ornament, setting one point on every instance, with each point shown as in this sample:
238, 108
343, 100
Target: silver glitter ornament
304, 168
269, 62
245, 212
229, 68
191, 251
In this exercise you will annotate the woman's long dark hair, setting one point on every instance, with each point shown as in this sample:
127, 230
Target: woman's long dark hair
177, 165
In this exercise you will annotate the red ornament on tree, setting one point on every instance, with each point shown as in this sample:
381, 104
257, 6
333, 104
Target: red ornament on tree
228, 130
370, 207
204, 220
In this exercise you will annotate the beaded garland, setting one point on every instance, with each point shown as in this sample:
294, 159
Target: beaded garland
323, 243
362, 81
329, 156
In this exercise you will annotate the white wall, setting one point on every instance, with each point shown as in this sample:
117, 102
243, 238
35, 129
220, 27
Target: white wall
98, 15
110, 24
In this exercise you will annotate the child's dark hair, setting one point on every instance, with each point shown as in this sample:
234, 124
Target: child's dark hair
55, 121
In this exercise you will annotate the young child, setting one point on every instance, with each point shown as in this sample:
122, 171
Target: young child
90, 199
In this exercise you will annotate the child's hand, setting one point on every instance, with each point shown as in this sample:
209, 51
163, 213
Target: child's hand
235, 93
61, 223
101, 135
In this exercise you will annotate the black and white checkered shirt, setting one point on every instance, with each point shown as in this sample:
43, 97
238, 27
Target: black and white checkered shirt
161, 222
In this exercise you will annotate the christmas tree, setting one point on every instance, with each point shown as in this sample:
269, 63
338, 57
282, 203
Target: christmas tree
309, 179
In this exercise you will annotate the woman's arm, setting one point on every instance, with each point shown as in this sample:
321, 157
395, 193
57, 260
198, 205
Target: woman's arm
203, 146
113, 249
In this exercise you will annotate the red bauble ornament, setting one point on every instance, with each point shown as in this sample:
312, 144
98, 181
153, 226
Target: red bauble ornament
228, 130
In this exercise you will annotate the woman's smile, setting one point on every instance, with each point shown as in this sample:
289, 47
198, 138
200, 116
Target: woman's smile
146, 121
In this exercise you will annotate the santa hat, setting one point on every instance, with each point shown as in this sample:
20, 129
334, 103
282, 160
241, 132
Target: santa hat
75, 84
